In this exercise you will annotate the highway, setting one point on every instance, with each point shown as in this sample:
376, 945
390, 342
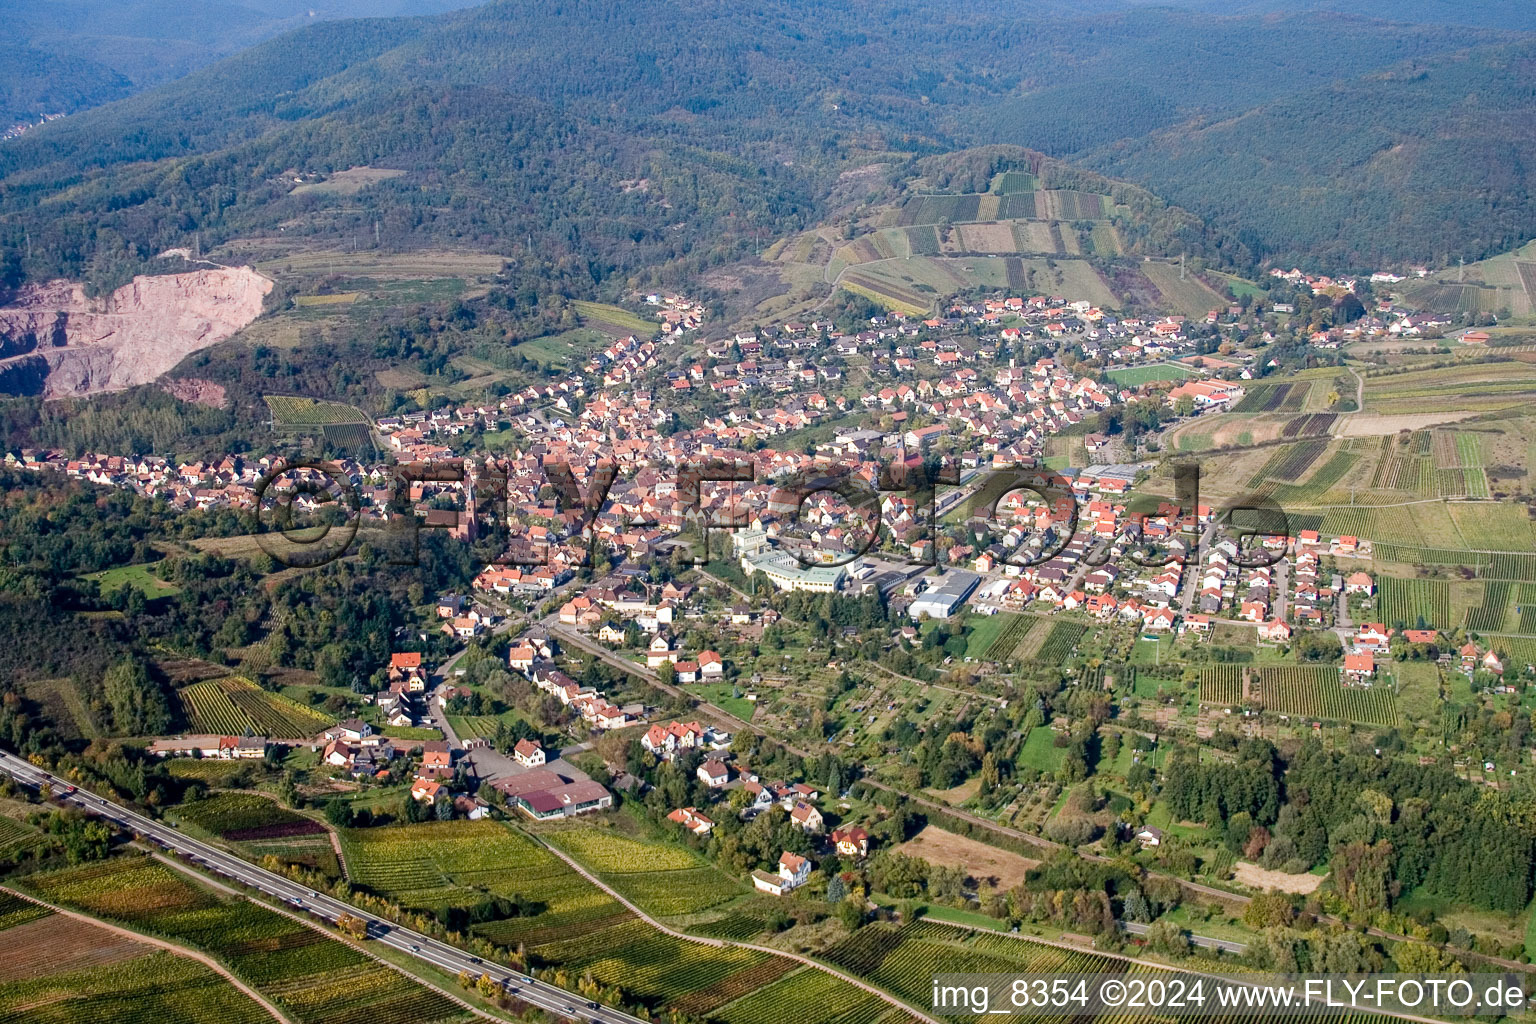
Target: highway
423, 947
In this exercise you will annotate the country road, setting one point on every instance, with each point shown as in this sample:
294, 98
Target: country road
547, 997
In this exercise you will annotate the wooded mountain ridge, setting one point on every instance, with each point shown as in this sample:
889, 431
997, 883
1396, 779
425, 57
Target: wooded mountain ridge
642, 144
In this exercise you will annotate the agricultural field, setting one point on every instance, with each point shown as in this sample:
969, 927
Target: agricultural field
1492, 615
900, 959
1314, 691
614, 320
805, 995
1221, 684
1014, 628
1493, 526
291, 412
1419, 524
443, 864
663, 880
1191, 296
1135, 376
1414, 604
1287, 397
1060, 641
242, 817
233, 706
313, 978
663, 970
141, 577
1499, 283
1465, 387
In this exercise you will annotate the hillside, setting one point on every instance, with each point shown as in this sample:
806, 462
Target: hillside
1420, 163
997, 217
66, 56
627, 144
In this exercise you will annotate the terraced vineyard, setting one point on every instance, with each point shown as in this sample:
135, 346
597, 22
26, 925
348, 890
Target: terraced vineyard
234, 706
1314, 691
1221, 684
315, 979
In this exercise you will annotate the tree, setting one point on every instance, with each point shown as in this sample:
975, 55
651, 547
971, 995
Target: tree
851, 912
139, 705
837, 890
1167, 938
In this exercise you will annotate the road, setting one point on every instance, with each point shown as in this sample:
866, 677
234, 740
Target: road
423, 947
1225, 945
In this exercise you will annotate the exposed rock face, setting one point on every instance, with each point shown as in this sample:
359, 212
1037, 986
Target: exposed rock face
73, 345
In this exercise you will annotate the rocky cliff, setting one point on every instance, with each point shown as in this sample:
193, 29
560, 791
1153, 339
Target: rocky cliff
55, 340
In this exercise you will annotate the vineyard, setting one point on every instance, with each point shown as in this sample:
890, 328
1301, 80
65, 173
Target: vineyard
1221, 684
1060, 641
441, 864
313, 978
1011, 637
244, 816
806, 995
1490, 616
663, 880
1274, 397
1314, 691
234, 707
158, 987
1414, 604
289, 411
902, 960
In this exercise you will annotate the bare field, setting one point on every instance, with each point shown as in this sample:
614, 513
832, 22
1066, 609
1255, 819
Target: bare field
348, 182
1370, 424
1262, 879
997, 868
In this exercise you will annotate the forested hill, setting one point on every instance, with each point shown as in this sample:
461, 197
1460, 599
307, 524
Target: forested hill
1428, 161
637, 142
63, 56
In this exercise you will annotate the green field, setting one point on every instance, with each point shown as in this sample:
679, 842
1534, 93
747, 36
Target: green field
1414, 604
1134, 376
1040, 751
1192, 297
141, 577
614, 319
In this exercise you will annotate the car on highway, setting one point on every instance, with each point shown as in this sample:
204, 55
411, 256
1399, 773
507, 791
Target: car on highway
415, 948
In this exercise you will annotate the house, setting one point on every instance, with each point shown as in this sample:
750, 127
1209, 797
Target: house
674, 736
714, 773
692, 820
520, 657
353, 729
1373, 635
425, 790
1359, 583
338, 754
851, 842
436, 760
1359, 668
528, 753
659, 652
1275, 631
711, 665
806, 816
1149, 836
794, 871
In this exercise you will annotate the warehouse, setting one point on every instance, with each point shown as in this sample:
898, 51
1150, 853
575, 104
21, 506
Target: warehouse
944, 595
